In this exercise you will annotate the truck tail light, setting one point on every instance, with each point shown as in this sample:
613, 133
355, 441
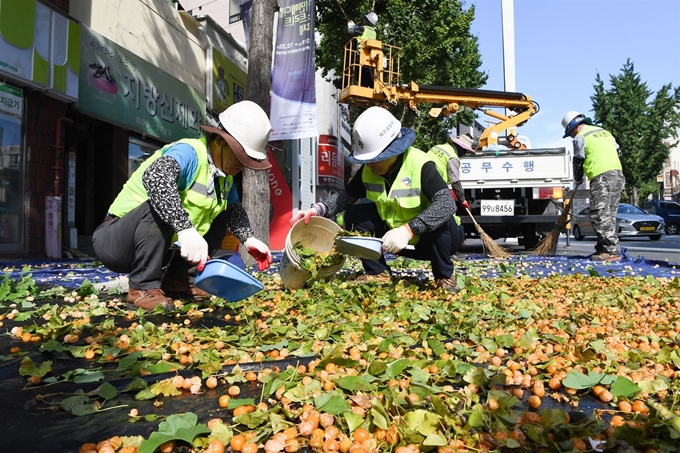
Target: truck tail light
548, 192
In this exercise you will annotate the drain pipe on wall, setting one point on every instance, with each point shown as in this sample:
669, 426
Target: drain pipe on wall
53, 236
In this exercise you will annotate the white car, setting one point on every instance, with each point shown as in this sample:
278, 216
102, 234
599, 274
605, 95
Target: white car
631, 221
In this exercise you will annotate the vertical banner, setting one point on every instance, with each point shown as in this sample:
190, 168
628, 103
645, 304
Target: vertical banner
293, 105
247, 18
331, 163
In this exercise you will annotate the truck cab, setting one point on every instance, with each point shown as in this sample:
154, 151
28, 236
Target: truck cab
669, 211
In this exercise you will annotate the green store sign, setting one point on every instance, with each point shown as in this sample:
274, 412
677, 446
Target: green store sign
117, 85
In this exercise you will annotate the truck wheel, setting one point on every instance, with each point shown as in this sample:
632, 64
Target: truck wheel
672, 228
577, 233
656, 237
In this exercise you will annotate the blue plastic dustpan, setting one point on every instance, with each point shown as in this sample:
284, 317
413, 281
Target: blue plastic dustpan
225, 280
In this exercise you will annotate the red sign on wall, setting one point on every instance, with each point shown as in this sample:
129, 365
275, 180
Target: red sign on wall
331, 163
281, 200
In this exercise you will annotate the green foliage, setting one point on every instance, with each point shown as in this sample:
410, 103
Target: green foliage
641, 121
437, 48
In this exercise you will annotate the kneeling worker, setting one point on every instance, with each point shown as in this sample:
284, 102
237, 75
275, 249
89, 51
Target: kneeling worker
411, 203
185, 192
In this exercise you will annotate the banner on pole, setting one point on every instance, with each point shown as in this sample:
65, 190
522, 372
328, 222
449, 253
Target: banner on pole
293, 106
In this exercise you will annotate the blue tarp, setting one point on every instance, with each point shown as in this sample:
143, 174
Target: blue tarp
72, 273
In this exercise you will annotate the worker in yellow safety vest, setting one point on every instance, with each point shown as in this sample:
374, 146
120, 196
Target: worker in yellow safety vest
410, 204
448, 164
184, 192
596, 155
364, 31
361, 33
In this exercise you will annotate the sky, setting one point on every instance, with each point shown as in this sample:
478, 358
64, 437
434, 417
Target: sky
561, 45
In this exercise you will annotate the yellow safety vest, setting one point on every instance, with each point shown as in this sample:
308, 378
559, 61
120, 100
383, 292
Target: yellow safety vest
405, 199
200, 198
601, 151
441, 154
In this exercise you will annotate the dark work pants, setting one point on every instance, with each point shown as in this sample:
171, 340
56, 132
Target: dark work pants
436, 246
139, 244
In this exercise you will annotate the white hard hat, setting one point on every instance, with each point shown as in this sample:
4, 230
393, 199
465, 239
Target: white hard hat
247, 130
373, 131
372, 18
571, 120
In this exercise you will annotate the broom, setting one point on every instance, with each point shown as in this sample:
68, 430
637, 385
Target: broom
548, 244
491, 248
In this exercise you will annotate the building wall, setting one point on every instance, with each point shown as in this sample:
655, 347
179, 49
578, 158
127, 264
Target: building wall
153, 30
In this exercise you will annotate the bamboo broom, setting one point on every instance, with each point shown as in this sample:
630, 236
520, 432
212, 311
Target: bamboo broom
491, 248
548, 245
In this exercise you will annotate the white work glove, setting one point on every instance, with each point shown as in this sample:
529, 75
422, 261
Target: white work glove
306, 214
350, 25
259, 250
193, 247
395, 240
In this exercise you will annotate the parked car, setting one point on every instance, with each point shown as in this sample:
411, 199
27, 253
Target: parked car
631, 221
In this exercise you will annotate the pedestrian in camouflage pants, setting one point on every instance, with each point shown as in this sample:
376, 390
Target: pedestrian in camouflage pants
596, 155
605, 192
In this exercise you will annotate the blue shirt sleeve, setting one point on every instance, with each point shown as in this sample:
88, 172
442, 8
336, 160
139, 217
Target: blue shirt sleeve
186, 157
233, 195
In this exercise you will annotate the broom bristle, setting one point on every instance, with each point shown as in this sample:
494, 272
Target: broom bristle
491, 248
548, 245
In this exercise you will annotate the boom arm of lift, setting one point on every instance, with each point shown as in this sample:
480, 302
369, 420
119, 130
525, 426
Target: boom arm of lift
384, 88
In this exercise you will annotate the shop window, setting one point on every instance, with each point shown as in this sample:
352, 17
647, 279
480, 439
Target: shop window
138, 152
11, 168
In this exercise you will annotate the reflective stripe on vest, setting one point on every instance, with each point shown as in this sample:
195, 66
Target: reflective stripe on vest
404, 200
200, 199
601, 151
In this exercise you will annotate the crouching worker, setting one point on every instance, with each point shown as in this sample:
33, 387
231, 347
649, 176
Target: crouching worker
411, 203
184, 192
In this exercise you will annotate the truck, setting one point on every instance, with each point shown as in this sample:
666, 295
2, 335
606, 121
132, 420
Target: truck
513, 191
668, 210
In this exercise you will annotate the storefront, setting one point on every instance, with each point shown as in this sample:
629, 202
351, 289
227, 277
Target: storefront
11, 167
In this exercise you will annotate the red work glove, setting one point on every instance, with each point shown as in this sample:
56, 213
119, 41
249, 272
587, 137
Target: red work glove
465, 204
259, 250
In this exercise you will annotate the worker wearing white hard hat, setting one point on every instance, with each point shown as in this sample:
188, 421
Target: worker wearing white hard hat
596, 156
410, 204
367, 28
184, 192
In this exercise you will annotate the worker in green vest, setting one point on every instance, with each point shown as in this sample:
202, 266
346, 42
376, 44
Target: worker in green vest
361, 33
409, 201
184, 192
448, 165
364, 31
596, 155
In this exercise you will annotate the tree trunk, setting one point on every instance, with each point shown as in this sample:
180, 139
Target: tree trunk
255, 192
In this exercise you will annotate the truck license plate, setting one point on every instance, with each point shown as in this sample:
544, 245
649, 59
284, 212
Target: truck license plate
498, 207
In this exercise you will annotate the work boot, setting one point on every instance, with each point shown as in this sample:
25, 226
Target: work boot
183, 289
604, 256
449, 284
384, 276
148, 299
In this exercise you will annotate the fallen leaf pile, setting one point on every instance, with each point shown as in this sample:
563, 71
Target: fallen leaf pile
511, 363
